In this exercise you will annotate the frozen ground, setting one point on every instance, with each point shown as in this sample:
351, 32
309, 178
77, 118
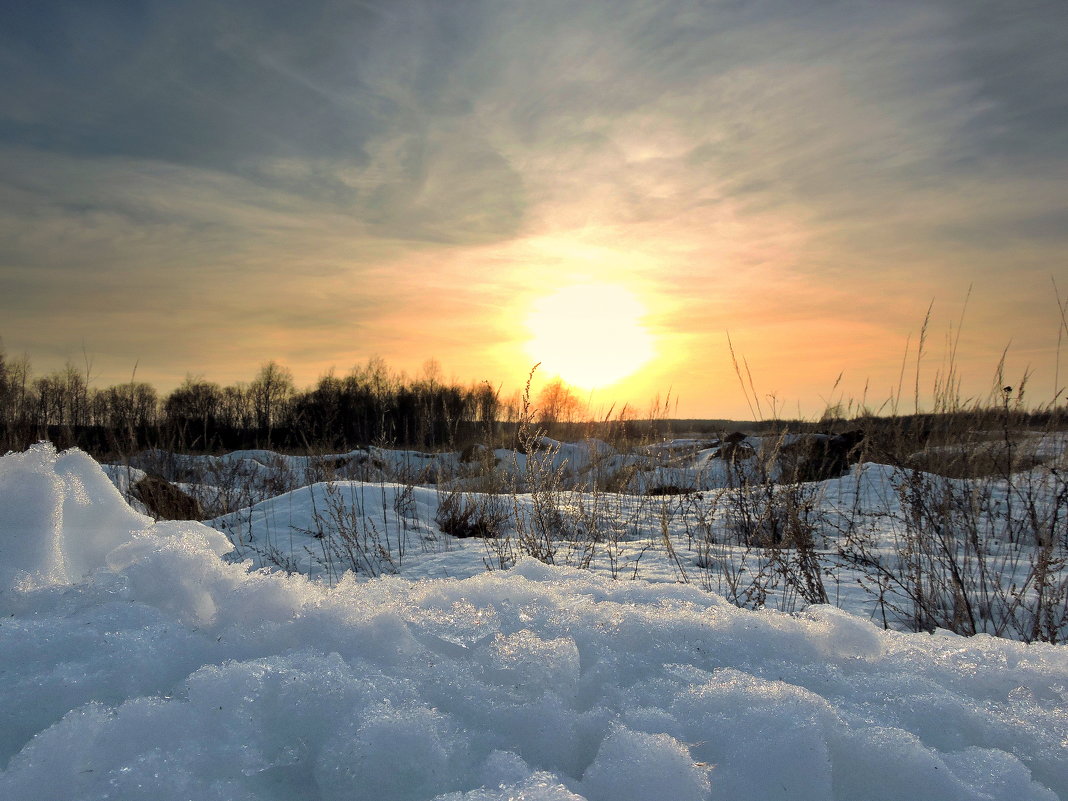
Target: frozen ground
137, 663
711, 536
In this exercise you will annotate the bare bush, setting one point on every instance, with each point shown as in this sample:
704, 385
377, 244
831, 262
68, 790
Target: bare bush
464, 515
349, 537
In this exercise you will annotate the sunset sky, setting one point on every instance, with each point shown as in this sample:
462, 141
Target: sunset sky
601, 185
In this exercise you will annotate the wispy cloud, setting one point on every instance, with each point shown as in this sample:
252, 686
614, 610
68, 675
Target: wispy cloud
399, 172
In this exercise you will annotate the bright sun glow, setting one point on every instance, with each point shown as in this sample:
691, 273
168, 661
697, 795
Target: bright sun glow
591, 335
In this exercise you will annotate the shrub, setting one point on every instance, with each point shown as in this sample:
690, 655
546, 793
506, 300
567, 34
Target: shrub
465, 515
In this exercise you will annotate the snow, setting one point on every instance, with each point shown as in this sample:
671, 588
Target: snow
69, 515
138, 663
395, 529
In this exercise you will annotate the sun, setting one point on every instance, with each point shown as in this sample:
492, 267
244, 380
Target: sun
591, 335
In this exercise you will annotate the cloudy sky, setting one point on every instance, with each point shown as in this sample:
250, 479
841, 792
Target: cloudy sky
192, 187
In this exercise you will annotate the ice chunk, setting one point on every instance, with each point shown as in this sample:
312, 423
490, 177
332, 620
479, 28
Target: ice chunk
738, 721
634, 766
96, 519
504, 767
181, 573
539, 787
535, 666
60, 516
394, 754
31, 520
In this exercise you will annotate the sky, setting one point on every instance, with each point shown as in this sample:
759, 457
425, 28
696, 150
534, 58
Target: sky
199, 187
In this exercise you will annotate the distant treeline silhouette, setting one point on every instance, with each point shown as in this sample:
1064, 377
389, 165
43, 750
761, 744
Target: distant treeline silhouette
371, 404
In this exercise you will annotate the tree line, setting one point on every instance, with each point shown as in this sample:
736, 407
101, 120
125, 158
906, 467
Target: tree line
372, 403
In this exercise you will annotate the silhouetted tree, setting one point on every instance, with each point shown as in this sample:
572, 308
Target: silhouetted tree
194, 406
557, 404
269, 393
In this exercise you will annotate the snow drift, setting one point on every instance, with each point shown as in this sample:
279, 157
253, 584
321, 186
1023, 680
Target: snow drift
137, 663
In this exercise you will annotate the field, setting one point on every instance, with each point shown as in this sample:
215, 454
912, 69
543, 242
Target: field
746, 517
763, 616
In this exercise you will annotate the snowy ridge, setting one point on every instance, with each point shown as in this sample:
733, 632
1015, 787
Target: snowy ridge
137, 663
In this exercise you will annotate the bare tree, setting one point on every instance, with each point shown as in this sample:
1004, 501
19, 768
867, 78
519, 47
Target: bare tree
270, 392
557, 404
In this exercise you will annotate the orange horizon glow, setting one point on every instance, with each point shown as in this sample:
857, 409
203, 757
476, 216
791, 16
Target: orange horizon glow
621, 315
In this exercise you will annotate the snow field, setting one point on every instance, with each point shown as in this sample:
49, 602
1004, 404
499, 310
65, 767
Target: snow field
137, 663
394, 528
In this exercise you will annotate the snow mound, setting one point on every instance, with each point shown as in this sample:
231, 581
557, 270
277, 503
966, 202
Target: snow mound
62, 518
138, 664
